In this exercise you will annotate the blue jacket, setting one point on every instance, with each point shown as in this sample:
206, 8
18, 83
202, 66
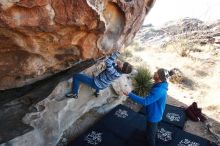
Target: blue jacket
111, 73
154, 102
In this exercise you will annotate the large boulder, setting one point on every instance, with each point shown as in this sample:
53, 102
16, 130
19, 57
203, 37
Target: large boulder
46, 120
39, 38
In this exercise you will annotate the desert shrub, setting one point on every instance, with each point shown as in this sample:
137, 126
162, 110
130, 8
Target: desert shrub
127, 53
181, 46
142, 81
139, 49
184, 52
137, 59
135, 46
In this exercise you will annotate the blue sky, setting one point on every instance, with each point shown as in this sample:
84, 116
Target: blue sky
166, 10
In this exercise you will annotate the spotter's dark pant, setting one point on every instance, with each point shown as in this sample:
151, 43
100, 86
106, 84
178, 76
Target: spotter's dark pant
151, 131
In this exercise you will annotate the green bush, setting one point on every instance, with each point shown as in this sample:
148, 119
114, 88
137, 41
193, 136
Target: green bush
142, 81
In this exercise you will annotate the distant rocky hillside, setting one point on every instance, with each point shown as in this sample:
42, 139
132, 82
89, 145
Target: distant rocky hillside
188, 28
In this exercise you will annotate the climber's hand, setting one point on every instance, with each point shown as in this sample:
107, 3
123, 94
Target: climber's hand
125, 93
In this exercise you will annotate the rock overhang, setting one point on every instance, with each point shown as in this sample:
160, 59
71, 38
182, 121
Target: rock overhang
40, 38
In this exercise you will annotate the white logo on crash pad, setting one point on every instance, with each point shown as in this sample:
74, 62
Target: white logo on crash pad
94, 138
187, 142
121, 113
173, 117
164, 135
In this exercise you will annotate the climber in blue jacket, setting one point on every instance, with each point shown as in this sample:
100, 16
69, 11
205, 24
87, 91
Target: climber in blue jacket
154, 103
112, 72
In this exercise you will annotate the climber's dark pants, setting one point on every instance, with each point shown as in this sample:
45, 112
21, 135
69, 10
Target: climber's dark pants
77, 78
151, 131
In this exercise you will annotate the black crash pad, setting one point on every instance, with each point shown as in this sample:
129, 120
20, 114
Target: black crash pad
173, 115
114, 128
212, 144
164, 137
170, 135
137, 139
99, 136
165, 134
139, 122
120, 121
183, 138
123, 127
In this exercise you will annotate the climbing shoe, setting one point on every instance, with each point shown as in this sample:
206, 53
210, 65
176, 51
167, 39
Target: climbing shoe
96, 94
71, 95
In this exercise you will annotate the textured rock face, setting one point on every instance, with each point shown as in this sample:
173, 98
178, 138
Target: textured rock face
41, 37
